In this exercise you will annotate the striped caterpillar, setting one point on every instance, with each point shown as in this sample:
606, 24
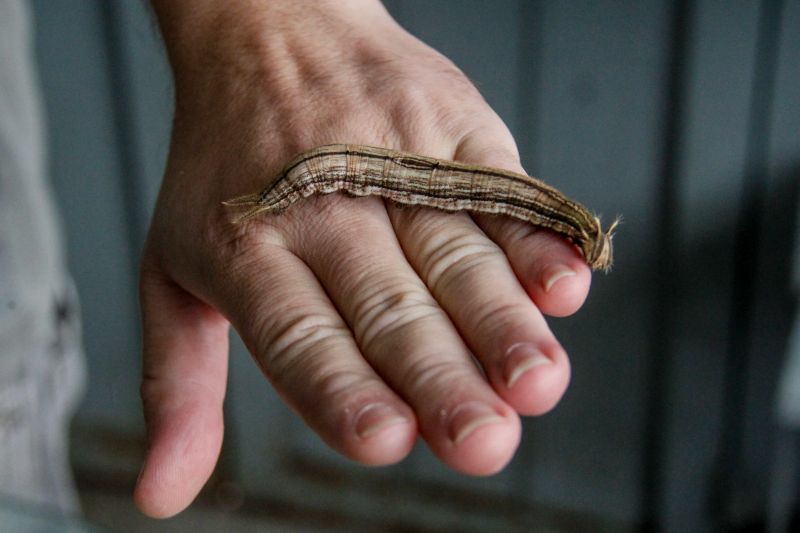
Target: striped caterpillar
411, 179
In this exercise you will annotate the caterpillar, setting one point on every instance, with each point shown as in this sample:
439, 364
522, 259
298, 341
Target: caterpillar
411, 179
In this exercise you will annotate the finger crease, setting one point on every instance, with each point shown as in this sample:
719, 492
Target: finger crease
458, 263
386, 313
300, 335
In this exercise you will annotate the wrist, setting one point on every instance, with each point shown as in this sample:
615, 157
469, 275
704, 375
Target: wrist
200, 33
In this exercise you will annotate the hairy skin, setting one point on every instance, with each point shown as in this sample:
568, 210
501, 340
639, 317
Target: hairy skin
363, 316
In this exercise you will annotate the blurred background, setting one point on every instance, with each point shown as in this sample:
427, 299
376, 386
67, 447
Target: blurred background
682, 116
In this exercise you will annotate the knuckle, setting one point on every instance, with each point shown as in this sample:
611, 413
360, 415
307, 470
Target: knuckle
386, 310
339, 386
452, 260
500, 155
423, 374
240, 241
240, 251
511, 232
489, 142
499, 318
287, 347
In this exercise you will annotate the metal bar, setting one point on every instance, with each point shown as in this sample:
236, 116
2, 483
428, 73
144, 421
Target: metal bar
658, 371
746, 246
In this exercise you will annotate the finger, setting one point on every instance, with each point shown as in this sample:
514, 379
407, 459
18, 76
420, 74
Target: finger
308, 353
183, 386
471, 278
406, 336
552, 270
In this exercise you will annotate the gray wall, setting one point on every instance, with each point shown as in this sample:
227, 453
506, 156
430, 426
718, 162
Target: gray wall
683, 117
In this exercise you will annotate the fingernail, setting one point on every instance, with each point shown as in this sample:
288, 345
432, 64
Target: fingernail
468, 417
375, 417
520, 358
555, 273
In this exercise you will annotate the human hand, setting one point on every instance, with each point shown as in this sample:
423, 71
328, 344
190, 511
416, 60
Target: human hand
364, 316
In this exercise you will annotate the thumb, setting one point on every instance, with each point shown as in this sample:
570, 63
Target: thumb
183, 387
